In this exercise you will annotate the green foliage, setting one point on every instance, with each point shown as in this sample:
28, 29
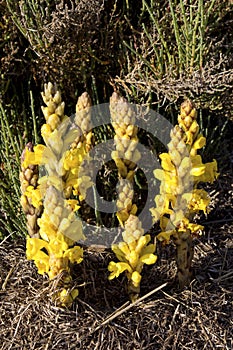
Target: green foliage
18, 125
176, 52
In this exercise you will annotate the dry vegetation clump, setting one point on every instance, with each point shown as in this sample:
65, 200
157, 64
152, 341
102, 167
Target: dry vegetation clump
75, 41
179, 50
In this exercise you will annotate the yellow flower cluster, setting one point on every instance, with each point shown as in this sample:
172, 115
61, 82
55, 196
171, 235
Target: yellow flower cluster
135, 250
132, 253
126, 154
83, 121
28, 182
179, 199
53, 249
124, 202
76, 159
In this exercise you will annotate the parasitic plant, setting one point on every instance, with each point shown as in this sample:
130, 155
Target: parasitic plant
51, 201
134, 251
180, 199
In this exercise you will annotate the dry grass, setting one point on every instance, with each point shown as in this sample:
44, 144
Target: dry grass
199, 317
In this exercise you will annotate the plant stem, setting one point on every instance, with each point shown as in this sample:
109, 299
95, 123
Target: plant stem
184, 256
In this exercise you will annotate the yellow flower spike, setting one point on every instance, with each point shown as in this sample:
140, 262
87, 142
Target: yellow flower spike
176, 203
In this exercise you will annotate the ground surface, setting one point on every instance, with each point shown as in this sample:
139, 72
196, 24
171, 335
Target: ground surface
199, 317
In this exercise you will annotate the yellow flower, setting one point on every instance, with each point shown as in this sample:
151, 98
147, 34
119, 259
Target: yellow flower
33, 247
195, 228
124, 249
197, 200
155, 213
117, 268
67, 297
46, 131
133, 259
35, 195
164, 203
159, 174
75, 254
136, 278
53, 121
48, 231
191, 133
149, 249
121, 250
42, 154
29, 158
57, 246
165, 236
73, 203
41, 260
211, 173
198, 144
81, 186
148, 259
72, 230
141, 243
165, 224
73, 158
198, 168
166, 163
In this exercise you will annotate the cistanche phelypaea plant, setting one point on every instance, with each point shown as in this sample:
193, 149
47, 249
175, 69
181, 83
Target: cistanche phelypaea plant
180, 199
52, 223
54, 185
